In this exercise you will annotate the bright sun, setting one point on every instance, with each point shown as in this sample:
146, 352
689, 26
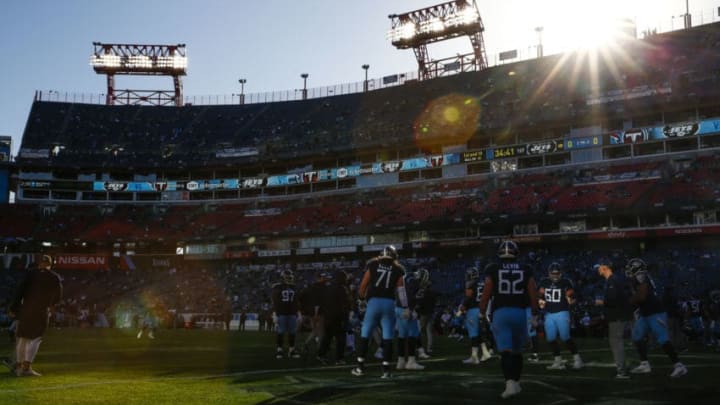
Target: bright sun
574, 25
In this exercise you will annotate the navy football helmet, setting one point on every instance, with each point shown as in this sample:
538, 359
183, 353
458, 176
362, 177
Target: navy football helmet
554, 272
472, 274
715, 297
508, 250
287, 276
423, 276
390, 251
635, 267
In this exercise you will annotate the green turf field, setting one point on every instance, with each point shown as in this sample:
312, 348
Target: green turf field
216, 367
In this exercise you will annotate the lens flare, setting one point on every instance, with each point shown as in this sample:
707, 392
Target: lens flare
448, 120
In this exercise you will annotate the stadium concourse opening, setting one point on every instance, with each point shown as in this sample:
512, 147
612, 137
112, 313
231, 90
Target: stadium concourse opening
208, 252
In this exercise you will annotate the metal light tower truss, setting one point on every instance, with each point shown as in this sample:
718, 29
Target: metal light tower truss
141, 60
417, 29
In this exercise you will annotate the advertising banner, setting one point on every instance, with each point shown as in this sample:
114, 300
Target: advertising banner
583, 142
617, 235
473, 156
134, 186
541, 148
81, 262
711, 126
695, 230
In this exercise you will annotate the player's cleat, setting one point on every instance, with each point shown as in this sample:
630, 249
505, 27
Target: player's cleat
422, 354
578, 363
412, 364
512, 388
487, 355
151, 335
386, 375
279, 353
679, 370
556, 365
357, 372
323, 360
379, 353
534, 358
293, 354
622, 375
400, 363
643, 368
471, 360
340, 362
139, 335
30, 373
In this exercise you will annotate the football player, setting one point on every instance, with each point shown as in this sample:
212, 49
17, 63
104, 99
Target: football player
556, 296
650, 318
408, 328
474, 319
149, 324
285, 305
512, 287
425, 299
382, 279
693, 325
712, 314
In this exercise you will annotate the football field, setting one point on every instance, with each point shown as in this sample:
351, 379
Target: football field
217, 367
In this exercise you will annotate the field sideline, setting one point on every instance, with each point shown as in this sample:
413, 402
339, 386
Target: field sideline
217, 367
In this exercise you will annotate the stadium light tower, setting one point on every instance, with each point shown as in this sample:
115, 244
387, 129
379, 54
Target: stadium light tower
539, 31
417, 29
242, 90
304, 90
365, 83
142, 60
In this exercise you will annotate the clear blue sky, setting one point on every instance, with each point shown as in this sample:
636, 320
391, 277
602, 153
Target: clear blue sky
46, 44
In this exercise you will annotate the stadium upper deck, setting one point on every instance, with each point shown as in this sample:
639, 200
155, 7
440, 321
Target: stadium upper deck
664, 73
646, 98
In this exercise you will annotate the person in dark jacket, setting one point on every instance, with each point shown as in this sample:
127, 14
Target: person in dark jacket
40, 289
426, 299
618, 313
335, 306
310, 300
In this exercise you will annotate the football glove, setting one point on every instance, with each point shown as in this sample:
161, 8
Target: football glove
405, 314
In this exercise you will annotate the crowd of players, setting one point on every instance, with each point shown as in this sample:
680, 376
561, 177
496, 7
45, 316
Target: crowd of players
503, 310
397, 309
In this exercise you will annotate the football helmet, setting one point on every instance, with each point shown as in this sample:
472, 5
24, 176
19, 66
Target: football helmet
423, 276
390, 251
472, 274
287, 276
715, 296
508, 249
635, 267
554, 272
